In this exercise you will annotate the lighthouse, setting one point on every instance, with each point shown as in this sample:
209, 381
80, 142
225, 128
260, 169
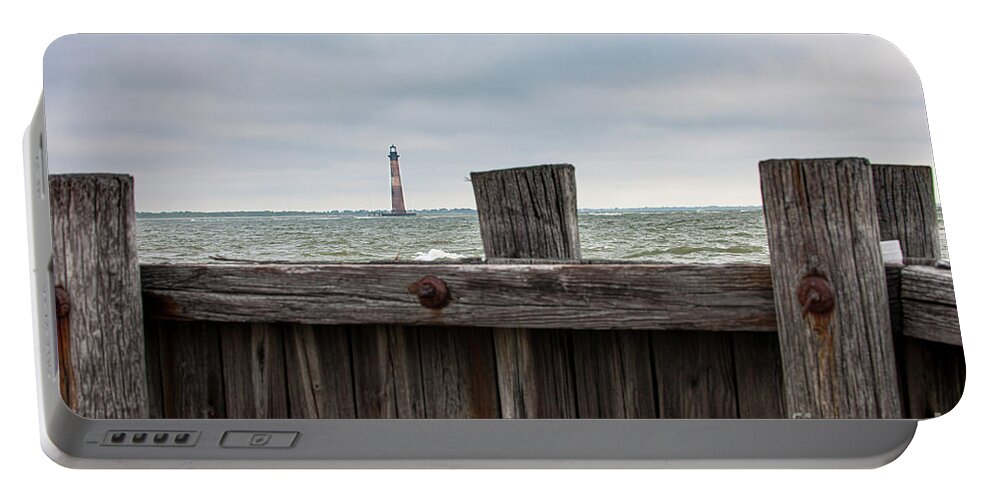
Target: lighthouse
396, 192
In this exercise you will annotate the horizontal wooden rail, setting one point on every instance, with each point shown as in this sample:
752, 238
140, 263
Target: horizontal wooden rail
928, 302
588, 296
727, 297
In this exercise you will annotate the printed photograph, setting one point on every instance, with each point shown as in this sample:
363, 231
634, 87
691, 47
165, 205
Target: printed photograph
496, 226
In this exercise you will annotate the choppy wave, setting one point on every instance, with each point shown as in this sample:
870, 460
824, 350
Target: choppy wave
435, 254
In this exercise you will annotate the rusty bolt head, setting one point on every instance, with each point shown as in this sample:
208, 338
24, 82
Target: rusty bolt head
815, 295
431, 291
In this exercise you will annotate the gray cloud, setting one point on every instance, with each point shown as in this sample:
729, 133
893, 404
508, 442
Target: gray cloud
302, 122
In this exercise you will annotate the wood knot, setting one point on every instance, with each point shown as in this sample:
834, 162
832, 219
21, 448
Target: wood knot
431, 291
62, 307
815, 295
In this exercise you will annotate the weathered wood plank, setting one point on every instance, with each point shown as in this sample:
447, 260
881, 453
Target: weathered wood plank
534, 379
830, 288
925, 305
153, 366
927, 284
726, 297
928, 305
319, 371
67, 380
905, 205
442, 372
254, 370
458, 372
614, 375
477, 348
935, 375
894, 297
514, 363
386, 363
528, 212
931, 321
192, 373
95, 263
696, 376
758, 375
551, 375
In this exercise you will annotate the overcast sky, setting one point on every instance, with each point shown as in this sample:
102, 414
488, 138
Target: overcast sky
304, 122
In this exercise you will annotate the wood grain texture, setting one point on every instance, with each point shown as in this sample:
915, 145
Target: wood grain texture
192, 371
758, 373
67, 379
319, 371
614, 374
935, 377
821, 221
459, 373
894, 292
932, 374
927, 284
254, 370
551, 377
931, 321
512, 352
153, 366
386, 363
906, 207
535, 375
723, 297
95, 261
528, 212
696, 375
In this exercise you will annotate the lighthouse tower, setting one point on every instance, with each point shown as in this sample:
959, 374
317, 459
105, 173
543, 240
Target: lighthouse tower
397, 188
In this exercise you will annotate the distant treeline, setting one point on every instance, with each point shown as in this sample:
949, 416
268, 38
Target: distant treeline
291, 213
432, 211
714, 208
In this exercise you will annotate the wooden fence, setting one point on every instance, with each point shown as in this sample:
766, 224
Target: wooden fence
826, 331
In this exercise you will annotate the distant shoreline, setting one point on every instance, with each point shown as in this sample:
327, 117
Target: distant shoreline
432, 211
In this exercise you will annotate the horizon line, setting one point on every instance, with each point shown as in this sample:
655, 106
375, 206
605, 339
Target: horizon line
589, 209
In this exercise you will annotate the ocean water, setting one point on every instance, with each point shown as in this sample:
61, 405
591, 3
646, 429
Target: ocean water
681, 236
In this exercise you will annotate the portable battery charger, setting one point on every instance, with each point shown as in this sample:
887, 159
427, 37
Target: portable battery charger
231, 270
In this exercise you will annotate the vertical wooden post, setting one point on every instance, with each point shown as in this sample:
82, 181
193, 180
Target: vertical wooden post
530, 213
830, 289
932, 373
906, 208
95, 262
